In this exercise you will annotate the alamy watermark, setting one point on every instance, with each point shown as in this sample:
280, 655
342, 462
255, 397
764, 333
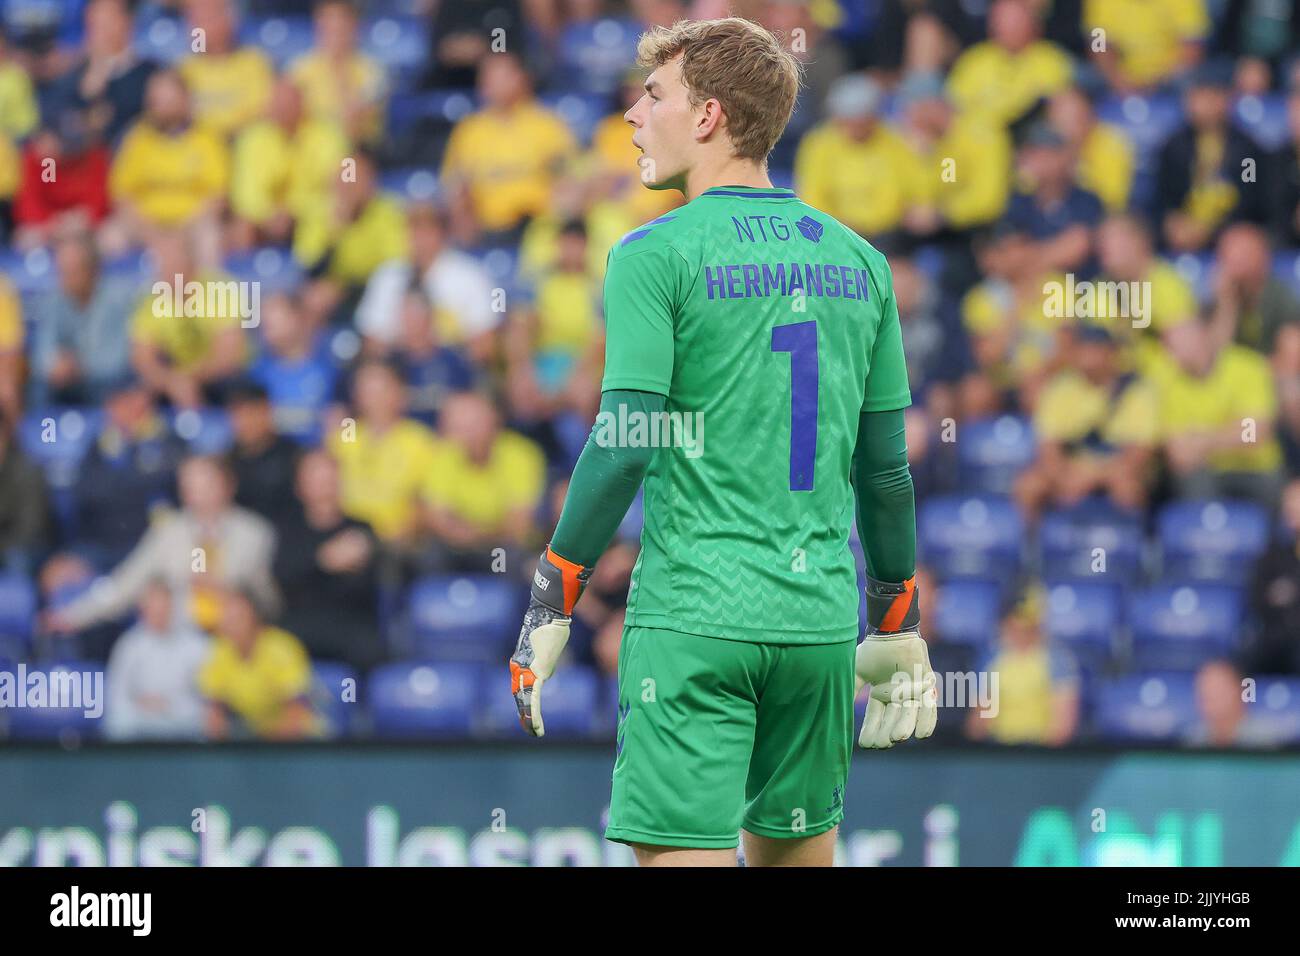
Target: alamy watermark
630, 428
1088, 300
77, 690
208, 299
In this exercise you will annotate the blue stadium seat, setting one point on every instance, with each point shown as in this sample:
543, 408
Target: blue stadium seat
1286, 266
1180, 627
57, 439
1277, 705
412, 184
1198, 270
571, 705
327, 693
598, 53
163, 39
423, 700
1084, 617
1069, 540
1150, 708
630, 527
582, 112
56, 723
572, 430
1211, 540
970, 536
30, 273
283, 39
206, 431
17, 613
992, 452
1147, 120
274, 268
1263, 118
469, 617
446, 106
967, 611
401, 44
131, 266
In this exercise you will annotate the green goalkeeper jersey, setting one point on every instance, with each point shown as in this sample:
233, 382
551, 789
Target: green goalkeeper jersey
770, 328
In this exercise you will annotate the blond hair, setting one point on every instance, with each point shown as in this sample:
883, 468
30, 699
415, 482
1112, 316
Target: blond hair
738, 63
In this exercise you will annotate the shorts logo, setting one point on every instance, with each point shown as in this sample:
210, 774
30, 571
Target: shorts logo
837, 800
810, 228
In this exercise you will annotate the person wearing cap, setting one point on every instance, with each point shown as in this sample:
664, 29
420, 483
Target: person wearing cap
262, 459
1146, 43
1097, 430
1036, 695
1201, 182
1003, 77
857, 168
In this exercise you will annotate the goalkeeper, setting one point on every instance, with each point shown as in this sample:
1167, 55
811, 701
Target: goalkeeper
764, 319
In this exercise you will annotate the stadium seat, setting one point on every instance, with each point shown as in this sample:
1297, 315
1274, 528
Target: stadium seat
1263, 118
967, 611
413, 184
630, 527
274, 268
1211, 540
163, 39
970, 536
283, 39
1090, 540
1277, 706
17, 614
1198, 270
327, 695
1144, 708
57, 439
423, 700
66, 724
206, 431
571, 703
1147, 120
1085, 617
31, 273
401, 44
1180, 627
469, 617
597, 53
582, 112
1286, 266
992, 452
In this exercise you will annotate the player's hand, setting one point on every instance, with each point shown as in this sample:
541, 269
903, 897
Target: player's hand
904, 694
557, 585
894, 660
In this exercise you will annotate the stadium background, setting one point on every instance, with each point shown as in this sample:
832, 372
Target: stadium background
422, 195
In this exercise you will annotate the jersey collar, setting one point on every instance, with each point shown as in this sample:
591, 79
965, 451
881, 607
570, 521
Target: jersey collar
749, 192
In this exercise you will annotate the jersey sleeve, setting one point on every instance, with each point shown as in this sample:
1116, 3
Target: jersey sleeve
887, 386
641, 295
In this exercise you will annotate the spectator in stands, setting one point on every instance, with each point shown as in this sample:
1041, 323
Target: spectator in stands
342, 86
1146, 43
210, 542
1097, 427
326, 565
12, 337
1055, 212
1103, 155
24, 503
1251, 304
295, 367
384, 457
497, 190
230, 84
152, 675
466, 307
1284, 205
1127, 256
1261, 37
1207, 171
919, 37
553, 348
128, 473
106, 86
263, 460
482, 488
1036, 697
81, 341
168, 173
64, 183
1006, 75
284, 166
10, 177
432, 371
1218, 408
854, 154
189, 356
258, 679
1222, 720
18, 109
1275, 596
342, 242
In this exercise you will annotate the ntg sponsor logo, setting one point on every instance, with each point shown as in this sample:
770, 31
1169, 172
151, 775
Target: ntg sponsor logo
630, 428
79, 690
209, 299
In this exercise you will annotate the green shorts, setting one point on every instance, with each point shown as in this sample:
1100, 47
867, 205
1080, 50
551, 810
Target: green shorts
715, 735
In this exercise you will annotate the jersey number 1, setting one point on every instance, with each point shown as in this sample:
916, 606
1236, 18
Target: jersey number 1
800, 340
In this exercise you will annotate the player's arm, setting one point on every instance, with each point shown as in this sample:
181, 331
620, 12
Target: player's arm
640, 301
892, 658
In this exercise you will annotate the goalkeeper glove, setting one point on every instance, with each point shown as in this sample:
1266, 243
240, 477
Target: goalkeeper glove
894, 660
557, 585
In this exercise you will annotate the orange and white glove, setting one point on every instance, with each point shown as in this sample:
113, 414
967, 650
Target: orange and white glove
894, 660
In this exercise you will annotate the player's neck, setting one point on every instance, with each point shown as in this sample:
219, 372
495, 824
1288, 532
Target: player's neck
729, 172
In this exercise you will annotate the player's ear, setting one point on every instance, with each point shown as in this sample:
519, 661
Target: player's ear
710, 119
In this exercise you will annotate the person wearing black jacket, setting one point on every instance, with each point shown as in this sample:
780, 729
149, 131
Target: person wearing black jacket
1275, 597
325, 565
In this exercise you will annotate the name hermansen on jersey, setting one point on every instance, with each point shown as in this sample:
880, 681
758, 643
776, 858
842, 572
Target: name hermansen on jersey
754, 280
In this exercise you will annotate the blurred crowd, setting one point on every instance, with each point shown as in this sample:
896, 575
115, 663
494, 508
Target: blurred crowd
300, 318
